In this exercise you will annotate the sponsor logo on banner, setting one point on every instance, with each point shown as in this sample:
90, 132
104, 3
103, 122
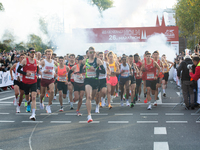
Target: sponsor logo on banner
170, 34
6, 78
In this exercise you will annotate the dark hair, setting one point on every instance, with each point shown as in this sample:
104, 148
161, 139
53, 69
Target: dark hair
130, 56
123, 58
71, 55
136, 55
195, 59
156, 52
31, 49
100, 53
87, 51
61, 57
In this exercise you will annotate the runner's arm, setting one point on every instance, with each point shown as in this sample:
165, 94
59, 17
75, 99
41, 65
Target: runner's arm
117, 71
157, 66
23, 63
11, 69
102, 69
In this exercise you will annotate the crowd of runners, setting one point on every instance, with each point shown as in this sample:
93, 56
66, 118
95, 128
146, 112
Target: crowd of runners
100, 76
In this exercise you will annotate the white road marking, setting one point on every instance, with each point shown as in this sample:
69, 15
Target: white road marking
174, 114
46, 114
160, 146
5, 104
90, 122
60, 122
178, 93
148, 114
100, 114
1, 121
6, 92
197, 121
160, 130
7, 98
32, 121
71, 114
118, 121
4, 113
23, 113
147, 121
176, 122
123, 114
194, 114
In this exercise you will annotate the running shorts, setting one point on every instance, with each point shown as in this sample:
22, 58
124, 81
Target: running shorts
123, 80
94, 83
151, 84
20, 84
112, 81
62, 87
166, 76
133, 80
30, 87
102, 84
138, 82
38, 83
79, 87
46, 82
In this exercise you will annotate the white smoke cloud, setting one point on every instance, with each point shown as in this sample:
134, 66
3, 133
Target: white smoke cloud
22, 18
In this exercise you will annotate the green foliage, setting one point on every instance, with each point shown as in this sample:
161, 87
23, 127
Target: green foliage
43, 26
103, 4
188, 20
1, 7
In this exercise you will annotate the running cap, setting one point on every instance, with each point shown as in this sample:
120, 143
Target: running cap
187, 56
30, 49
80, 58
106, 51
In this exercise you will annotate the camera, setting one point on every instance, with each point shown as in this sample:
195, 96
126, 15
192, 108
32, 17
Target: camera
189, 66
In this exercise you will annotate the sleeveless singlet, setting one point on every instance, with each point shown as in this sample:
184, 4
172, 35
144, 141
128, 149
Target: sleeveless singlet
48, 66
150, 70
32, 68
91, 73
126, 69
62, 74
77, 75
103, 76
72, 75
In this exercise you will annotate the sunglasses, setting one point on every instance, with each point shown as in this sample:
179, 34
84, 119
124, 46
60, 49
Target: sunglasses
32, 52
91, 52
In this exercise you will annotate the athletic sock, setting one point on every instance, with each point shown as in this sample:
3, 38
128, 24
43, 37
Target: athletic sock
33, 111
126, 99
163, 90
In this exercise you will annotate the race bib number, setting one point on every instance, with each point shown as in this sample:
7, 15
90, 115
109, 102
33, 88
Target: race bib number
165, 69
63, 78
125, 74
91, 74
112, 68
150, 75
32, 76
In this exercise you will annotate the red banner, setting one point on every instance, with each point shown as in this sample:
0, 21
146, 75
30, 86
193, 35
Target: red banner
120, 35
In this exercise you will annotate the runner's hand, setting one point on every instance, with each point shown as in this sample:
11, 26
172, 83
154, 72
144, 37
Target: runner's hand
69, 83
45, 71
12, 78
92, 68
66, 83
28, 73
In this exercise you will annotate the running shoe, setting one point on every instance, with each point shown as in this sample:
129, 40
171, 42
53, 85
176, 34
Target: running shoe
129, 94
89, 118
61, 109
116, 94
109, 106
123, 97
127, 103
41, 105
47, 95
103, 103
28, 108
54, 98
155, 103
48, 109
78, 113
15, 102
132, 105
17, 109
164, 94
100, 104
32, 117
97, 109
122, 104
139, 99
71, 107
145, 101
149, 107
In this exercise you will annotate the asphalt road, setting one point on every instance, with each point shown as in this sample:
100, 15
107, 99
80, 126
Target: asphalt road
121, 128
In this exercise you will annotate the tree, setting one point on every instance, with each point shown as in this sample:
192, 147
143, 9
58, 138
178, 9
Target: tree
35, 41
188, 20
1, 7
103, 4
43, 25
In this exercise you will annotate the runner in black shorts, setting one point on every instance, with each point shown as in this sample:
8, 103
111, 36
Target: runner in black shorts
79, 87
62, 73
91, 78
